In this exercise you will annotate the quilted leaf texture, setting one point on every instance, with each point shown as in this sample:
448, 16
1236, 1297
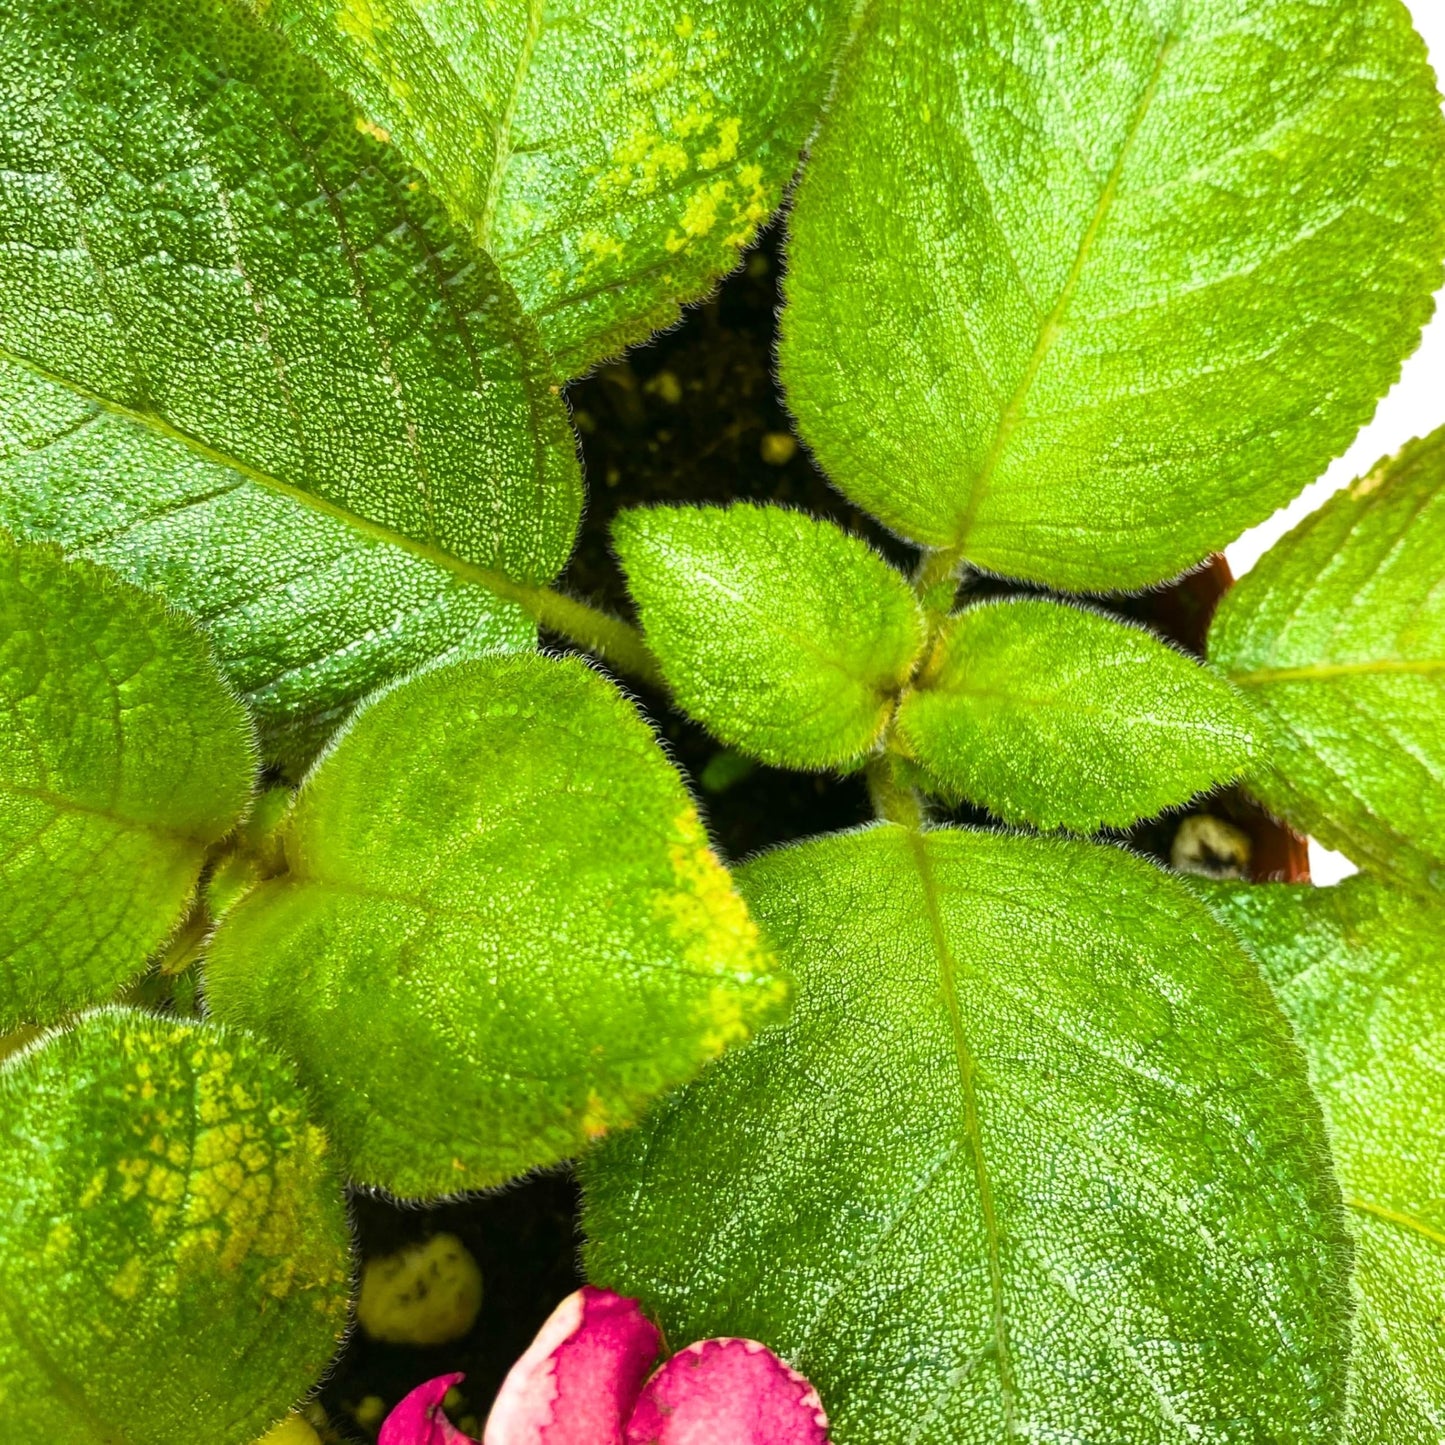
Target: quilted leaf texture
1035, 1156
1080, 290
615, 156
202, 241
1338, 638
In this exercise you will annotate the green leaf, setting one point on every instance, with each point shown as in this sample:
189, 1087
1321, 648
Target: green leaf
174, 1245
1082, 291
1338, 638
1067, 719
613, 155
781, 634
1357, 968
1035, 1158
307, 615
123, 758
502, 933
199, 237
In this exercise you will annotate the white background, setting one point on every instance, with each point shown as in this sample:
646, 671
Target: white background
1414, 408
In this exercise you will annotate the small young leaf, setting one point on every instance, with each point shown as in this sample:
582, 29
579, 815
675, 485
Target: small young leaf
1066, 719
174, 1250
122, 759
503, 931
306, 613
1357, 969
781, 634
1035, 1158
200, 235
1338, 638
1084, 290
614, 155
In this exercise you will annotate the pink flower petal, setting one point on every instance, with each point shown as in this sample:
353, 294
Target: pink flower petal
579, 1380
418, 1419
728, 1392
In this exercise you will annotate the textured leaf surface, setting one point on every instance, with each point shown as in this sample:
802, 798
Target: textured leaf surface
1338, 638
122, 759
503, 931
614, 155
306, 614
173, 1242
1083, 290
199, 235
1035, 1158
1360, 969
781, 634
1066, 719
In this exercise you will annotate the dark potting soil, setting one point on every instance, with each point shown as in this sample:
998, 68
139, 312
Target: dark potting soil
695, 416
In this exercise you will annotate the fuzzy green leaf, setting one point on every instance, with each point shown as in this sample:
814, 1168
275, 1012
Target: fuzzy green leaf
306, 614
1035, 1158
502, 932
173, 1244
1066, 719
1338, 638
781, 634
199, 238
123, 757
1358, 969
613, 155
1083, 290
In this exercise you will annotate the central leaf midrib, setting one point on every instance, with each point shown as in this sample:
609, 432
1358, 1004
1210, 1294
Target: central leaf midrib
770, 621
1407, 1222
502, 153
972, 1130
1053, 326
71, 806
524, 594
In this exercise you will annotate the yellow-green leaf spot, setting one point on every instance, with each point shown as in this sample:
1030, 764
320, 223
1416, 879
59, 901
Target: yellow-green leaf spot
507, 928
425, 1294
783, 635
293, 1430
123, 758
1358, 970
1081, 291
1062, 718
1338, 638
613, 155
1034, 1158
164, 1185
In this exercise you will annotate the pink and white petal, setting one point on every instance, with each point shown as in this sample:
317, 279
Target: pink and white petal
727, 1392
581, 1376
418, 1419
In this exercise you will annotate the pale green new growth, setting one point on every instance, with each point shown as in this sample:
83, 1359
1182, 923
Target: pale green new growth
123, 757
1065, 719
200, 237
613, 155
1338, 637
1034, 1159
503, 932
174, 1245
1360, 969
307, 614
1081, 291
781, 634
